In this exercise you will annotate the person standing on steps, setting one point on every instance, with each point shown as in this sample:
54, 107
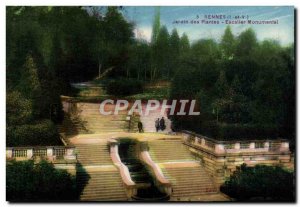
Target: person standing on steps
157, 124
162, 124
140, 126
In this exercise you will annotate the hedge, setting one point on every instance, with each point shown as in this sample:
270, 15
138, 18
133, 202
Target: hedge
124, 87
43, 133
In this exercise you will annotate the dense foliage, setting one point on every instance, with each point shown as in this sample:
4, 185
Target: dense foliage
47, 49
260, 183
26, 181
124, 87
240, 84
43, 133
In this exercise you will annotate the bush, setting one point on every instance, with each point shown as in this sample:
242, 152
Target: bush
205, 126
238, 131
43, 133
124, 87
260, 183
26, 181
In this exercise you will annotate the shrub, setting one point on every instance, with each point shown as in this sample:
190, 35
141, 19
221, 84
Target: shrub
42, 133
260, 183
232, 131
26, 181
238, 131
124, 87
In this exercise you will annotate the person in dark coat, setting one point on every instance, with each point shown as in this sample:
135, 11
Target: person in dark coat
140, 126
157, 124
162, 124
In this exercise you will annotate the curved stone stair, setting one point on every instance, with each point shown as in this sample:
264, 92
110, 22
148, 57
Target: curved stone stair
188, 178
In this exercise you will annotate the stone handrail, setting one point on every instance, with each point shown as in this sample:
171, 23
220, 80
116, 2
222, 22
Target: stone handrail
123, 169
49, 152
163, 182
236, 146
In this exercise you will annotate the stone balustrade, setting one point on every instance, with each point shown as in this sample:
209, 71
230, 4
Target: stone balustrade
162, 182
239, 146
221, 158
51, 153
131, 188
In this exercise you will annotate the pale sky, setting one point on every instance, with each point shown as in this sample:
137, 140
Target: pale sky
283, 31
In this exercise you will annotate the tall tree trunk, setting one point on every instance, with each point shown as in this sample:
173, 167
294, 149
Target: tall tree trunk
99, 68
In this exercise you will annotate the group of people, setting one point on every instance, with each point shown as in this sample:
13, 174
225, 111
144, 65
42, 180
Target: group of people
160, 124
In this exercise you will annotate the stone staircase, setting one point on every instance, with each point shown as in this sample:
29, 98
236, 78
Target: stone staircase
97, 123
86, 119
97, 177
188, 178
93, 154
101, 186
189, 181
169, 150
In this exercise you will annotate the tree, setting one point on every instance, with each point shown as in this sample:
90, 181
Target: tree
247, 43
174, 51
206, 49
184, 45
155, 26
221, 85
18, 109
228, 43
162, 57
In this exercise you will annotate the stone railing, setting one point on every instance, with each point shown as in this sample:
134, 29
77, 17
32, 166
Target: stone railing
131, 188
162, 182
238, 146
51, 153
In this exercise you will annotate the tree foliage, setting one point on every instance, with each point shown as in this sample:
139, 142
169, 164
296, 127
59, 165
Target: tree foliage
238, 82
26, 181
260, 183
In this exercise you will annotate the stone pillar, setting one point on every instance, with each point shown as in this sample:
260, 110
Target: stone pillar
49, 151
237, 146
29, 153
284, 146
70, 154
267, 145
185, 137
9, 153
197, 140
203, 142
219, 148
252, 145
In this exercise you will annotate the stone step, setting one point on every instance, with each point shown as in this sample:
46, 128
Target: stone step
110, 175
90, 155
191, 182
100, 175
193, 189
102, 195
112, 190
104, 182
107, 198
187, 194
